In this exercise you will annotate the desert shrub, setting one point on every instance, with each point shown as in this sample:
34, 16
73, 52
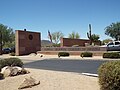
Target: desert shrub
109, 75
56, 45
12, 54
11, 62
63, 54
86, 54
111, 55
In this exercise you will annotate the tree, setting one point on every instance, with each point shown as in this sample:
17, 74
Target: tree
95, 37
74, 35
106, 41
6, 35
56, 37
113, 30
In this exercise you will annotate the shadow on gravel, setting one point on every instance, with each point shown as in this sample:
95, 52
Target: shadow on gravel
66, 65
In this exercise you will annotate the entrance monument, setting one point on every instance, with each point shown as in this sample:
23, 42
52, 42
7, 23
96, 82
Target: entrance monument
27, 42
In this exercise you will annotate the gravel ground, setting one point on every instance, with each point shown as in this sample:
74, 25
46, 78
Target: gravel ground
52, 80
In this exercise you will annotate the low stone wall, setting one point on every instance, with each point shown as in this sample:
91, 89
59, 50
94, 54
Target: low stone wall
97, 51
73, 49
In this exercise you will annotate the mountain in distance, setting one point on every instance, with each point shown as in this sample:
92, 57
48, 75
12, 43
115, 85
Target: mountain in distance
46, 43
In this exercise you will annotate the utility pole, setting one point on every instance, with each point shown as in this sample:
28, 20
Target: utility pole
0, 42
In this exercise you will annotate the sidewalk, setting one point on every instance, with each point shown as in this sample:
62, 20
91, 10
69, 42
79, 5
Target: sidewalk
33, 57
37, 57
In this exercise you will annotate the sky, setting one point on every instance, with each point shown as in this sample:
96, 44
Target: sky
60, 15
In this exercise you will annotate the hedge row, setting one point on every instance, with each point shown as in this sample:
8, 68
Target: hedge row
86, 54
90, 54
64, 54
111, 55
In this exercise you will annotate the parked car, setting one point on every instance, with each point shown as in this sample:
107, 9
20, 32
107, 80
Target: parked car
113, 46
12, 49
6, 50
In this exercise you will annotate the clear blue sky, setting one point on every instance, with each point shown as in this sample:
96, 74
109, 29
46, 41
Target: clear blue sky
60, 15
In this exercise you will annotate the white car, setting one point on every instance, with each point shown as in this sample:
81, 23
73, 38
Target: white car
113, 46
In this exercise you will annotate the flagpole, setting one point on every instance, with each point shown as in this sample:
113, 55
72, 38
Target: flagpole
50, 37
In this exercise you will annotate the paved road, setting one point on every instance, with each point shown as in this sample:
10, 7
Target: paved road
67, 65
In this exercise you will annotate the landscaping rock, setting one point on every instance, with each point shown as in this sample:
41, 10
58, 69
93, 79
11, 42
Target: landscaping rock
6, 71
41, 55
24, 71
4, 68
13, 71
32, 54
1, 76
28, 83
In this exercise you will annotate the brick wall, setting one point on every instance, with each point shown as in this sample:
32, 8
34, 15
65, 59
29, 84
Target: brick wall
70, 42
27, 42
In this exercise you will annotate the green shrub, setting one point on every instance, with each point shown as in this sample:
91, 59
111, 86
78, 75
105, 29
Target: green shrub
111, 55
86, 54
109, 75
12, 54
10, 62
63, 54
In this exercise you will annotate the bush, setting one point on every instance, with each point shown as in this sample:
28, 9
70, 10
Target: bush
109, 75
111, 55
63, 54
86, 54
10, 62
12, 54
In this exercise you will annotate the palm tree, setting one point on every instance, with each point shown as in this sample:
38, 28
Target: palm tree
95, 37
56, 36
74, 35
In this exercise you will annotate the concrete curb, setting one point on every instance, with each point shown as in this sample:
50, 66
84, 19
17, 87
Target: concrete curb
90, 74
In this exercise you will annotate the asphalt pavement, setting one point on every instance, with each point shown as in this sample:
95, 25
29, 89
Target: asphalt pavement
67, 65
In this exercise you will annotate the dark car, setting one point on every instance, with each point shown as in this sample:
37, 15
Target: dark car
6, 50
12, 49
